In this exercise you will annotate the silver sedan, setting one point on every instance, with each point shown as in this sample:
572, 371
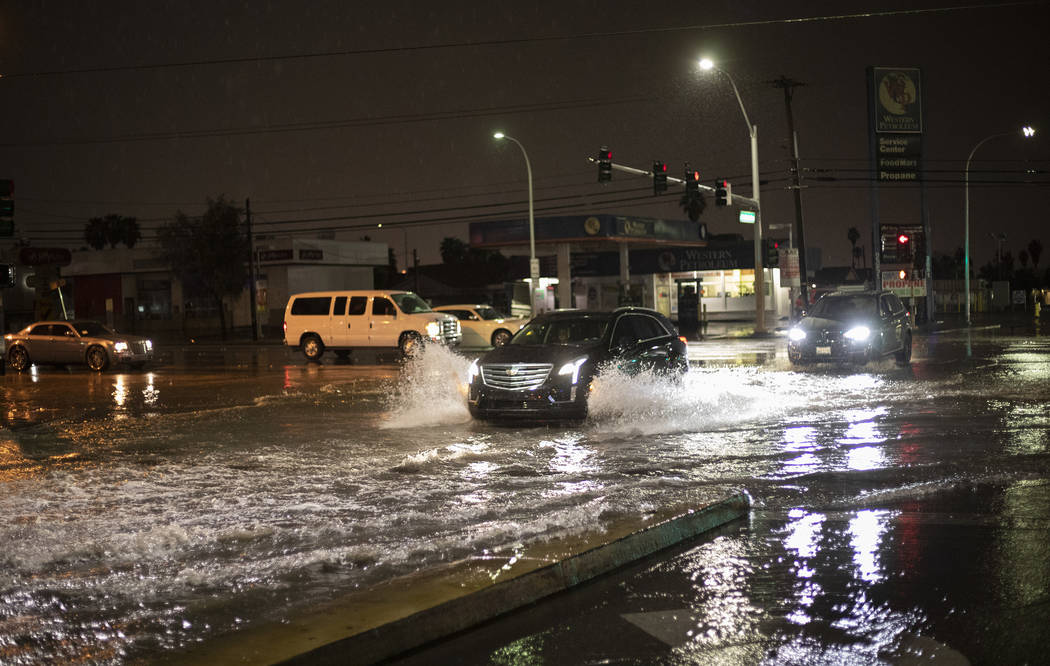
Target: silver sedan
74, 342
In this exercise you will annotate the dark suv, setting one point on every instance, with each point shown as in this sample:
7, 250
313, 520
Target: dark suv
545, 370
852, 327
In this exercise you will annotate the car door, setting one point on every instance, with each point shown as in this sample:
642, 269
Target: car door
67, 346
893, 313
358, 322
38, 342
642, 343
384, 329
338, 333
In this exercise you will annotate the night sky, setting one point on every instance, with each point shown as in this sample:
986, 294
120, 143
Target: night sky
336, 116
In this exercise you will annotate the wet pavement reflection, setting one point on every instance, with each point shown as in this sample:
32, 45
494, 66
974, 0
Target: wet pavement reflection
898, 511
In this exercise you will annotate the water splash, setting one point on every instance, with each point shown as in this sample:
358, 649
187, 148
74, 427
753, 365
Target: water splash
432, 390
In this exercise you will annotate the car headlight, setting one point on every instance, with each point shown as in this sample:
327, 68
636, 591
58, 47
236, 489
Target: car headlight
858, 333
472, 371
149, 345
120, 346
433, 328
573, 368
796, 335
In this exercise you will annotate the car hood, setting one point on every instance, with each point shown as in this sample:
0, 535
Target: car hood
554, 354
117, 337
824, 324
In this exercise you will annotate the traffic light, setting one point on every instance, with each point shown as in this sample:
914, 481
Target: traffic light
904, 252
692, 182
772, 251
723, 192
7, 208
659, 177
604, 165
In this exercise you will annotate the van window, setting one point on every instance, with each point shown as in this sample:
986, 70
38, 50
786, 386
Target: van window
357, 305
340, 306
311, 305
382, 306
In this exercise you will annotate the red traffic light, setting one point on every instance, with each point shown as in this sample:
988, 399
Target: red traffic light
696, 176
902, 239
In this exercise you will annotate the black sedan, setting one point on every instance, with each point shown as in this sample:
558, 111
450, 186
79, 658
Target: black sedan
544, 372
852, 327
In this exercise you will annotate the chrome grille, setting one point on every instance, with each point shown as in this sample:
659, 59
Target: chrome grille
138, 347
450, 329
515, 376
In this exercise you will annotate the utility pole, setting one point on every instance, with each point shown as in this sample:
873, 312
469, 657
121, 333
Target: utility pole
788, 86
251, 269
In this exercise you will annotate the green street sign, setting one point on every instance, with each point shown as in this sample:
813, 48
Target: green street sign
747, 216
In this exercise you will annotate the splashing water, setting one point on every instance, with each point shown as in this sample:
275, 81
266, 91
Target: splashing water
432, 390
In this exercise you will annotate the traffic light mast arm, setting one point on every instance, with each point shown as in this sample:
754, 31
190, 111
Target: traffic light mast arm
737, 198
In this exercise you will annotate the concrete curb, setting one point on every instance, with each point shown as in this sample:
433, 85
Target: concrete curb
409, 612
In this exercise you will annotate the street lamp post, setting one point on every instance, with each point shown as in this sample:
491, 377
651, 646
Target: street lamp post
760, 278
1027, 132
534, 264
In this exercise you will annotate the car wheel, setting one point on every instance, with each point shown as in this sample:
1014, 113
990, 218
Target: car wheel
96, 358
410, 344
312, 348
18, 359
500, 337
903, 356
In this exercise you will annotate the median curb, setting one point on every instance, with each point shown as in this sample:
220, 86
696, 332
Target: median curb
411, 611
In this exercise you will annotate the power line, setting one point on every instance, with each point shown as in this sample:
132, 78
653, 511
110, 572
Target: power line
521, 40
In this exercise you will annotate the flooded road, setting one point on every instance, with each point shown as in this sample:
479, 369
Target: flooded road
148, 511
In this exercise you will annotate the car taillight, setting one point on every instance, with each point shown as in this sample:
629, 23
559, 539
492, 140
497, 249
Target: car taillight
284, 326
682, 338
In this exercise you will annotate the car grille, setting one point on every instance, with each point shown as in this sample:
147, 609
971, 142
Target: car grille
450, 329
515, 376
137, 347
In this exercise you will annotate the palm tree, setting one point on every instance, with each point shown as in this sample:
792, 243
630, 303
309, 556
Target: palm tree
693, 205
853, 235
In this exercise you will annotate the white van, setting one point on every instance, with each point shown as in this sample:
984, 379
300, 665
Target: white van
356, 319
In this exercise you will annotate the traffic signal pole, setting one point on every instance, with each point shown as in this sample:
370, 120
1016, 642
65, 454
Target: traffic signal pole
750, 203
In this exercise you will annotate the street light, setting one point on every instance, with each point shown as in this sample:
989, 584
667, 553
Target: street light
1027, 132
534, 264
760, 278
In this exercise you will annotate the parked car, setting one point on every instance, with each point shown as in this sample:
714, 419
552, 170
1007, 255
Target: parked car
72, 342
483, 325
545, 371
852, 327
347, 320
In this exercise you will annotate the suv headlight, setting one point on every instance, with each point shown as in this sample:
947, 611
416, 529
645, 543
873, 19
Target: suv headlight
858, 333
796, 334
573, 368
472, 371
120, 346
433, 329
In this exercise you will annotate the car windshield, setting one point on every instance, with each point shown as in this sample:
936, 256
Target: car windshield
561, 331
490, 313
844, 307
91, 329
409, 303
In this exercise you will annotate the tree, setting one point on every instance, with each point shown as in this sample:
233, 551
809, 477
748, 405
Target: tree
1035, 250
112, 229
208, 254
693, 205
453, 250
853, 235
